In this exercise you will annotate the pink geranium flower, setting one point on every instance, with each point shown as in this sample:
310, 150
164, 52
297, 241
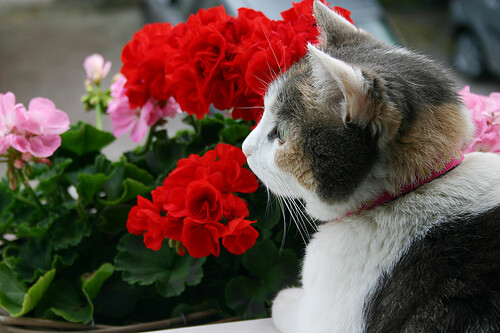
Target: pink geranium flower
137, 121
35, 131
485, 111
96, 68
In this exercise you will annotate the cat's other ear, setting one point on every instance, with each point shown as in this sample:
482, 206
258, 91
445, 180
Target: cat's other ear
364, 100
334, 28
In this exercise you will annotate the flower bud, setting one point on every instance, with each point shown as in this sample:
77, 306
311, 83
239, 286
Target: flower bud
96, 67
18, 164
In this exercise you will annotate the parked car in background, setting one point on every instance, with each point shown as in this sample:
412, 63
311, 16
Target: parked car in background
476, 35
366, 14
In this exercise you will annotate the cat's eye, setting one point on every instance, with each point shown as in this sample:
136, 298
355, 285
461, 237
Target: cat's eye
281, 134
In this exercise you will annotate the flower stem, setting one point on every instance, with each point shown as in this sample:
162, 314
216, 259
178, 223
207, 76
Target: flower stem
26, 201
149, 139
98, 116
80, 210
30, 191
196, 123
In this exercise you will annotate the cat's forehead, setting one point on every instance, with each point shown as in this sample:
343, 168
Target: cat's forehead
285, 95
271, 97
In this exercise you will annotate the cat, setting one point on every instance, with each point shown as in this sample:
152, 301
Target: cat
357, 120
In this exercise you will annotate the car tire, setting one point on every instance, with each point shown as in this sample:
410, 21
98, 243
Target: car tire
468, 56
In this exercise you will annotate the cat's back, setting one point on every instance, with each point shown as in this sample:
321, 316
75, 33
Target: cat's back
447, 278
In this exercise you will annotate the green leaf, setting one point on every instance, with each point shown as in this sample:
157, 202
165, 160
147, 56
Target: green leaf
114, 218
15, 297
64, 258
251, 259
185, 271
33, 259
165, 155
208, 135
69, 231
131, 189
6, 202
161, 158
49, 176
125, 183
118, 298
89, 185
265, 211
64, 300
170, 272
235, 134
93, 282
251, 297
36, 226
247, 297
83, 138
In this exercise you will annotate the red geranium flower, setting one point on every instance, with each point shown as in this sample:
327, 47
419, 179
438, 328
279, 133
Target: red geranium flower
172, 227
239, 236
201, 239
203, 201
146, 218
197, 205
217, 59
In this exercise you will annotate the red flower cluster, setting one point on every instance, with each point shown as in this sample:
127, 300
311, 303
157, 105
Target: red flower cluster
217, 59
196, 205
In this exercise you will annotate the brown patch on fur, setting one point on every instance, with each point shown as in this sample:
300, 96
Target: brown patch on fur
383, 118
371, 108
292, 158
438, 131
387, 121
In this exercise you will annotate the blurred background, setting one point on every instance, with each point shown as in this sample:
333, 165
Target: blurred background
43, 42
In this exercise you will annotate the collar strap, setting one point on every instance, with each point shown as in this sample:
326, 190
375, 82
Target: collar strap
448, 163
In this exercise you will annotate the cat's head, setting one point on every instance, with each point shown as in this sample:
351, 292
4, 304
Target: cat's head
353, 118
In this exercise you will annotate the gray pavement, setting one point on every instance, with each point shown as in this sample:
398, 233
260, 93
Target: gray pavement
43, 44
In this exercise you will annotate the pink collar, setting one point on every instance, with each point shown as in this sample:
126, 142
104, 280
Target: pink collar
448, 163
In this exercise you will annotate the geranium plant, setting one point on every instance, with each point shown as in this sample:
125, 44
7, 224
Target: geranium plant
178, 224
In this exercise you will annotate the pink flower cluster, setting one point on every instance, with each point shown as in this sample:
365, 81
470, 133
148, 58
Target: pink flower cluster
485, 111
137, 120
35, 131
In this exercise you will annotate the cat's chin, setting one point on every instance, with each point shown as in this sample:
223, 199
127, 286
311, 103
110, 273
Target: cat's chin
323, 211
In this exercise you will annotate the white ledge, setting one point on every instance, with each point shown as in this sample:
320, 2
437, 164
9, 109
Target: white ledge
246, 326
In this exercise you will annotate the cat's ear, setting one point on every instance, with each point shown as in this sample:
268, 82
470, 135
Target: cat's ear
363, 93
334, 28
330, 73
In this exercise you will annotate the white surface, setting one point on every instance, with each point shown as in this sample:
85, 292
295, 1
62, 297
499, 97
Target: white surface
247, 326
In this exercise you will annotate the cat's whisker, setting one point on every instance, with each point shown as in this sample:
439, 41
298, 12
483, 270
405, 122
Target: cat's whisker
250, 107
275, 58
285, 229
271, 71
308, 218
291, 206
311, 222
300, 207
264, 83
302, 233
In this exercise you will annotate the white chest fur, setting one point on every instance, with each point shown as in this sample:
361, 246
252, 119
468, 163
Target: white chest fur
342, 265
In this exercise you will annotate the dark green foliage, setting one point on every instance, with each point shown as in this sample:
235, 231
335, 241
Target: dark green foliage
72, 258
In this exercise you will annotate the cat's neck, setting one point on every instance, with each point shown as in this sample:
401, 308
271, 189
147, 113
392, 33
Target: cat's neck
421, 177
374, 192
